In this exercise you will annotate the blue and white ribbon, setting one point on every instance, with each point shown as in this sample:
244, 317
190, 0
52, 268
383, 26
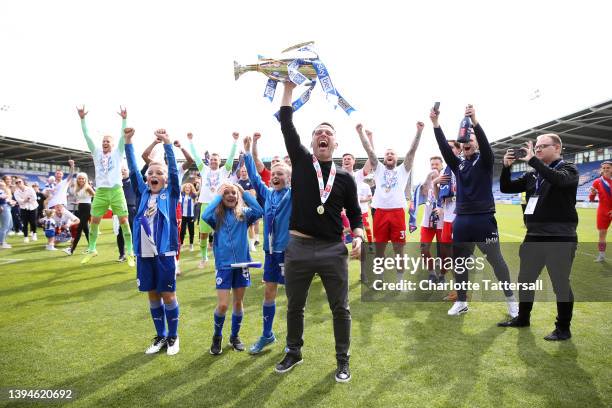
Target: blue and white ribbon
298, 78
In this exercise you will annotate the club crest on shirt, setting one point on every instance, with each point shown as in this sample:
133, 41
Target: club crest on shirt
162, 196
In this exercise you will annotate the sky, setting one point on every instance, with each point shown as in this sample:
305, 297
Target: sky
171, 64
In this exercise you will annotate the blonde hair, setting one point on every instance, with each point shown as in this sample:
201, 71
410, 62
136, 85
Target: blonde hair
283, 166
49, 212
238, 210
193, 190
76, 182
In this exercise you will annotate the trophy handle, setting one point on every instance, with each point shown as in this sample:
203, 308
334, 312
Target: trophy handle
238, 70
293, 47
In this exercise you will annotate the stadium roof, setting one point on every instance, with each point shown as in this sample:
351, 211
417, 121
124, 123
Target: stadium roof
590, 128
17, 149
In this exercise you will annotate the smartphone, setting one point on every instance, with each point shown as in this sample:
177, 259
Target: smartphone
436, 107
519, 153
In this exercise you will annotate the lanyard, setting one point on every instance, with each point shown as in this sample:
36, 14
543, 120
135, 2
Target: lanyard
540, 179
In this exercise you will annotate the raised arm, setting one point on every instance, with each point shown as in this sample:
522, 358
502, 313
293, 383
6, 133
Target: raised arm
446, 151
82, 113
409, 159
258, 163
173, 179
147, 152
123, 113
198, 161
131, 160
506, 184
188, 159
486, 153
230, 158
249, 162
292, 139
372, 159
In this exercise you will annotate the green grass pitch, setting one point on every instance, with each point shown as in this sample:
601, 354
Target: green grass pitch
64, 326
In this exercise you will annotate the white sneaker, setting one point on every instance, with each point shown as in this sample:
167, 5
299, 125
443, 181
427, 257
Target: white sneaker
34, 237
513, 306
600, 258
458, 308
26, 240
11, 233
173, 346
68, 251
191, 248
5, 245
158, 344
51, 248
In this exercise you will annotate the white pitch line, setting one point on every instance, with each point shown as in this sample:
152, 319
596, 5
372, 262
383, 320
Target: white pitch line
9, 261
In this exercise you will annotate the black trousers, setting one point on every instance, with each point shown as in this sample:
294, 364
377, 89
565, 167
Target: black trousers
305, 257
120, 241
83, 212
187, 223
557, 255
28, 217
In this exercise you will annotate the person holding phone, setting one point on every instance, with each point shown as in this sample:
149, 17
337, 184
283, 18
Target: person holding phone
551, 220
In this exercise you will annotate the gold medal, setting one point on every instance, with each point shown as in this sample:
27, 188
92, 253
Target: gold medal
320, 209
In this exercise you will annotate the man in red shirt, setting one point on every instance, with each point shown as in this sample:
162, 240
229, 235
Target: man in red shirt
602, 186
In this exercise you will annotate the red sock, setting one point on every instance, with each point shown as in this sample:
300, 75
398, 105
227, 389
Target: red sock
602, 247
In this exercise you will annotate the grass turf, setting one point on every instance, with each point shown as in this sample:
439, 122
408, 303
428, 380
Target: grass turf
85, 328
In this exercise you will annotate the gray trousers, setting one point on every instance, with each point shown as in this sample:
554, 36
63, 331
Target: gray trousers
303, 258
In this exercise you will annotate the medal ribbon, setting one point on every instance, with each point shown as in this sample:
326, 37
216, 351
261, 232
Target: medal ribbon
324, 192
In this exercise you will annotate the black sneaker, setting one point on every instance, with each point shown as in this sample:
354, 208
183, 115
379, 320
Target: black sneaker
215, 347
236, 343
514, 322
343, 374
559, 335
290, 361
121, 258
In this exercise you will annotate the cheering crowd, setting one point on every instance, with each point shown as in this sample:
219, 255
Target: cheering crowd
311, 209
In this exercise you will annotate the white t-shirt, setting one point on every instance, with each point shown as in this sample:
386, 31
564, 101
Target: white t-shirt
66, 218
108, 167
428, 207
59, 195
26, 198
363, 192
390, 187
211, 180
358, 176
148, 249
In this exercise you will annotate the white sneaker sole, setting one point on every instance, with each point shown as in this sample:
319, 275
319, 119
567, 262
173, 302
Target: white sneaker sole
288, 369
213, 354
340, 380
462, 311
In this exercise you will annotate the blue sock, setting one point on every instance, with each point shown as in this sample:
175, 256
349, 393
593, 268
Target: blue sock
157, 313
219, 320
236, 323
269, 310
172, 316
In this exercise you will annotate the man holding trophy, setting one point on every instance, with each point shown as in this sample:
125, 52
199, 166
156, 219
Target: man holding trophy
320, 192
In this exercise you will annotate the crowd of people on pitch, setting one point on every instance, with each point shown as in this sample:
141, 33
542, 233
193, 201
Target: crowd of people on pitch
310, 209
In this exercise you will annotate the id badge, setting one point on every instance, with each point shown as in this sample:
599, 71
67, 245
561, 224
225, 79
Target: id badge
531, 205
